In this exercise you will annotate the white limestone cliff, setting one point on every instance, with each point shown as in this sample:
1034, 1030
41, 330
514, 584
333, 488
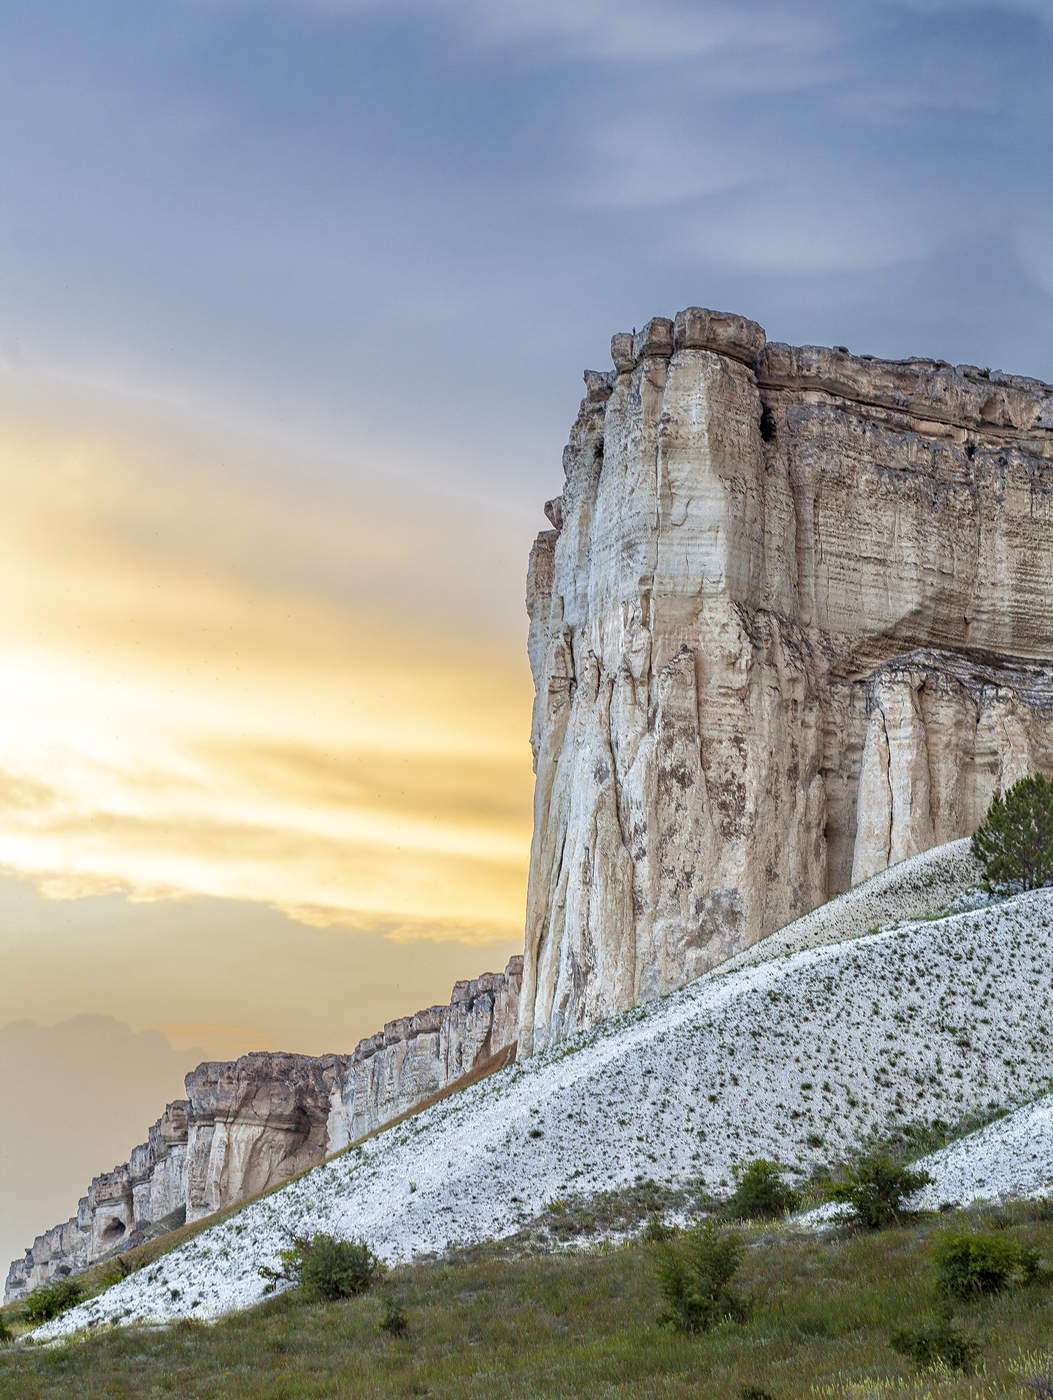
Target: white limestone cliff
794, 622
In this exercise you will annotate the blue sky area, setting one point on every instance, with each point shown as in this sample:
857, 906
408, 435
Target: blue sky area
358, 221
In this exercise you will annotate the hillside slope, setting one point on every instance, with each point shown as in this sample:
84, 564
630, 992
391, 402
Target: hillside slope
935, 879
798, 1058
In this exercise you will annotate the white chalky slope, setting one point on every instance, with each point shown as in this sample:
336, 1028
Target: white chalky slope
795, 1059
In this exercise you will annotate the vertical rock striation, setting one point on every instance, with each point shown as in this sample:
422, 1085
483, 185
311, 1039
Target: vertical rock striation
793, 622
248, 1125
416, 1057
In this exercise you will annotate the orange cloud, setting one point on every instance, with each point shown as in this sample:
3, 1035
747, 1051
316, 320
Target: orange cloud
210, 688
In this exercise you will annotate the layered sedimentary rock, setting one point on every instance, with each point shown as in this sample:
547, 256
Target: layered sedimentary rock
418, 1056
257, 1122
793, 622
243, 1126
250, 1124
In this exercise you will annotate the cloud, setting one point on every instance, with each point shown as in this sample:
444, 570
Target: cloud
210, 687
644, 33
227, 975
782, 234
641, 163
641, 31
1028, 9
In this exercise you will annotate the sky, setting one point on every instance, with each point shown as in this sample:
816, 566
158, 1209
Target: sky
295, 296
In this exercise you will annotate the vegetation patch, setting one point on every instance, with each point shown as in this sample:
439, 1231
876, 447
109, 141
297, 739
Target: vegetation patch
1014, 843
876, 1189
695, 1280
939, 1343
761, 1193
579, 1216
45, 1303
823, 1309
977, 1263
326, 1268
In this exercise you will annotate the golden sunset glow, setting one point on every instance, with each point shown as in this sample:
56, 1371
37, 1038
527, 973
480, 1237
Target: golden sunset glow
211, 689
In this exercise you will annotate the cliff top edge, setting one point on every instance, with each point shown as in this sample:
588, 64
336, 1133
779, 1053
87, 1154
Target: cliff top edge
777, 364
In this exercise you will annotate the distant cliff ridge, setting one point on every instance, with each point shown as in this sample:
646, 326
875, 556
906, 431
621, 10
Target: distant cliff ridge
251, 1124
793, 623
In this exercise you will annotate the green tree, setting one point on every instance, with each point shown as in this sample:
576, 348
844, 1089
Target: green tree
1014, 843
761, 1193
694, 1280
877, 1189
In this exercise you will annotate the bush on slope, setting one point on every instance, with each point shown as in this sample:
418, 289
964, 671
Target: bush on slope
877, 1190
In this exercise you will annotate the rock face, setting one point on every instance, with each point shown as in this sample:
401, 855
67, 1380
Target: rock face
418, 1056
794, 622
251, 1124
257, 1122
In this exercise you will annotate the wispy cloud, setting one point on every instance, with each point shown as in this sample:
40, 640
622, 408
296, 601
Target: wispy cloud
643, 31
964, 9
639, 164
187, 713
782, 235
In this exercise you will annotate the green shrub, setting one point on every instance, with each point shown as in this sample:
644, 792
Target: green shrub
326, 1268
6, 1334
656, 1231
329, 1268
761, 1193
48, 1301
876, 1189
939, 1342
393, 1320
694, 1277
1014, 843
973, 1263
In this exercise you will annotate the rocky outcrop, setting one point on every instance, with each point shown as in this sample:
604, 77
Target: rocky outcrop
117, 1210
793, 622
243, 1127
258, 1121
418, 1056
60, 1251
251, 1124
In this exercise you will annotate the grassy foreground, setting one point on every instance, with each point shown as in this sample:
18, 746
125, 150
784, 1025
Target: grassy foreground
582, 1325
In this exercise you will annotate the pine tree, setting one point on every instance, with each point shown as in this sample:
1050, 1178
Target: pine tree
1015, 841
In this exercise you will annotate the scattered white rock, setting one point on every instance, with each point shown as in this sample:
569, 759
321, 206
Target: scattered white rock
797, 1059
1012, 1157
945, 878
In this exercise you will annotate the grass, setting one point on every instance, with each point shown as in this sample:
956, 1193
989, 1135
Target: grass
579, 1324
